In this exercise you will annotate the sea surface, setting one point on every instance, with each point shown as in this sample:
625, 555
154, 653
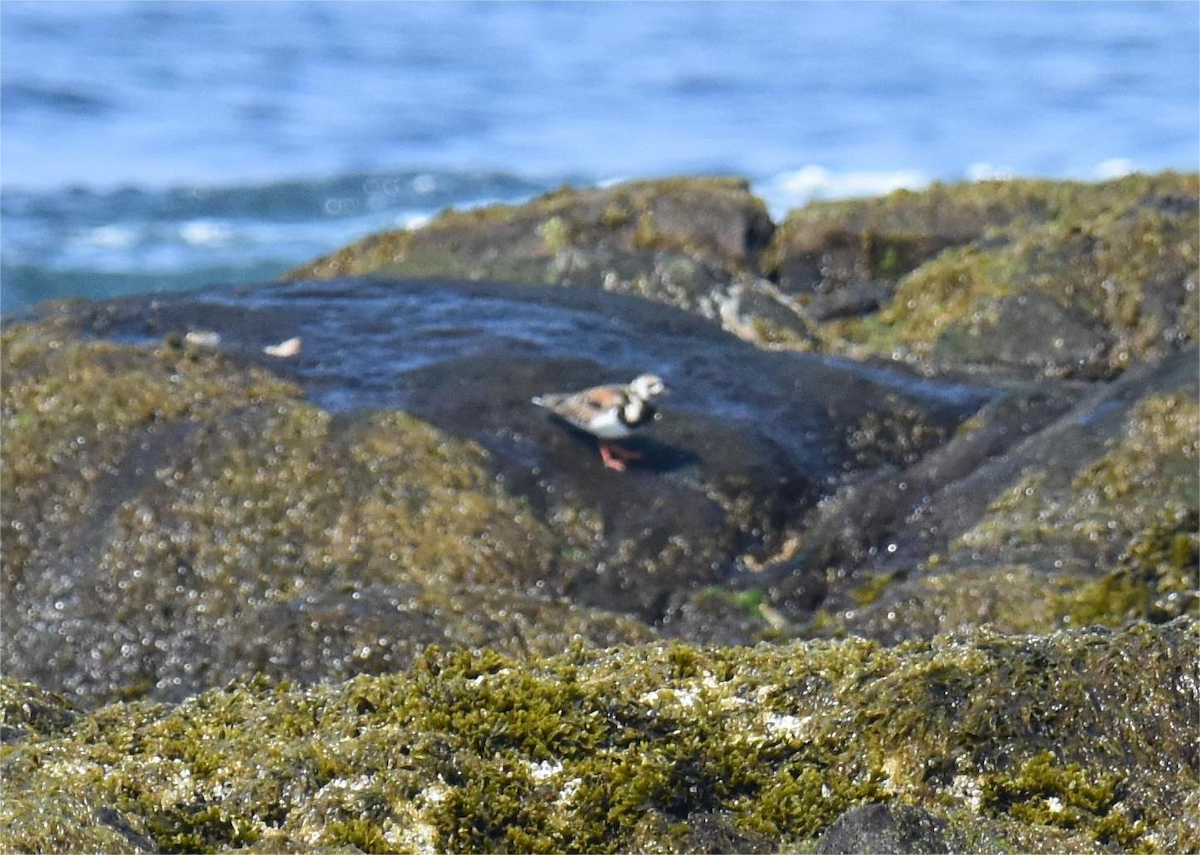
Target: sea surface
162, 146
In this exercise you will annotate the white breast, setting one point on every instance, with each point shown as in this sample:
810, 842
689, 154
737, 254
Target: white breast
608, 425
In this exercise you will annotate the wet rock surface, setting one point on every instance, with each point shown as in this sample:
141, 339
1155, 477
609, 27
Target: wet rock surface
1032, 278
1014, 447
215, 532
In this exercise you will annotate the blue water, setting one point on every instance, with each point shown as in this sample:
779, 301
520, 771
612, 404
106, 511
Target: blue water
154, 146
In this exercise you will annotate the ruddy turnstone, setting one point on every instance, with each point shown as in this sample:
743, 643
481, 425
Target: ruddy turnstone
608, 413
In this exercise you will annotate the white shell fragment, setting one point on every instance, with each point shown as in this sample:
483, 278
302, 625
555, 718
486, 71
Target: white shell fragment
285, 348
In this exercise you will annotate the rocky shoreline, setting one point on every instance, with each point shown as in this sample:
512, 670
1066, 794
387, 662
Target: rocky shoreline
912, 552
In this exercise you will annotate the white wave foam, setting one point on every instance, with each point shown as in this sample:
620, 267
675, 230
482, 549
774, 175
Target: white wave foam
988, 172
424, 183
110, 237
1105, 170
1114, 167
412, 221
205, 232
790, 189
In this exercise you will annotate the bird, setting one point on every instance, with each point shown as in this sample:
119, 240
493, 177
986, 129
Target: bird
608, 413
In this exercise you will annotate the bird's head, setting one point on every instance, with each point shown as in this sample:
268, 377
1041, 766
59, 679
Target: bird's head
646, 386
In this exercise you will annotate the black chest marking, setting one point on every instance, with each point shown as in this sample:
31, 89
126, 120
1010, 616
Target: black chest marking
635, 412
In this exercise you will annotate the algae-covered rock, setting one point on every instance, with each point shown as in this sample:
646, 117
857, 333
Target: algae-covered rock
1001, 743
309, 527
828, 245
1051, 277
340, 481
680, 241
1090, 519
1028, 276
783, 493
28, 710
175, 519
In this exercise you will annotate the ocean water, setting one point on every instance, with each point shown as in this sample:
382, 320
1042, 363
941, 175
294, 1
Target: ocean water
159, 146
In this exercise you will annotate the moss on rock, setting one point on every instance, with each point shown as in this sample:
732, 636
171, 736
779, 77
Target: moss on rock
1010, 737
1155, 578
1148, 470
1059, 277
677, 241
174, 520
1093, 521
70, 410
1110, 268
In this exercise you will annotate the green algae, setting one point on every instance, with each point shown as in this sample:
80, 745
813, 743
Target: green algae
1155, 579
628, 749
870, 590
1049, 794
1147, 471
1119, 256
251, 530
676, 241
284, 505
556, 234
1109, 539
1115, 260
1014, 598
937, 294
71, 409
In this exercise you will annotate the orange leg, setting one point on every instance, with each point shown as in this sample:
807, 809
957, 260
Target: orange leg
614, 456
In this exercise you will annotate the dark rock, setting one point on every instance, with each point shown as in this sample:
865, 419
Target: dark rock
857, 298
894, 515
1029, 329
118, 823
885, 828
757, 312
698, 832
824, 261
231, 526
1051, 497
